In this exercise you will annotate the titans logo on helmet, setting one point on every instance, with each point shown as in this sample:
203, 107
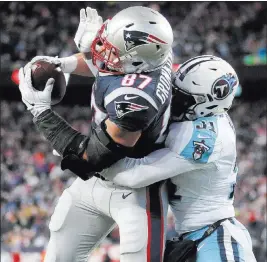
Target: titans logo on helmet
223, 86
123, 108
136, 38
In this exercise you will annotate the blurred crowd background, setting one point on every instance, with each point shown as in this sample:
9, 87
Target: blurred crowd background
31, 179
232, 30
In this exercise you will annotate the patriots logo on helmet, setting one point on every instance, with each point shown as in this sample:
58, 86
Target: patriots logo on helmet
136, 38
199, 149
223, 86
123, 108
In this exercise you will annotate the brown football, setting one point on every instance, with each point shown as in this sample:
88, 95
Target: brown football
41, 72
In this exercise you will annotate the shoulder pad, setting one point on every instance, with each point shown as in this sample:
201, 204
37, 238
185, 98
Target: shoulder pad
130, 108
156, 84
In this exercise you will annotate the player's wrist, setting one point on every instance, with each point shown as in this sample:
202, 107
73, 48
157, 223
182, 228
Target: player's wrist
37, 110
68, 64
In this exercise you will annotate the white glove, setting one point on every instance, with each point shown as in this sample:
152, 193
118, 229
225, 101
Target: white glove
90, 23
50, 59
36, 101
67, 64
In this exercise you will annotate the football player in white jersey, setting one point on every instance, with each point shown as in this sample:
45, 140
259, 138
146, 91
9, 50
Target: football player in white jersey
130, 100
200, 161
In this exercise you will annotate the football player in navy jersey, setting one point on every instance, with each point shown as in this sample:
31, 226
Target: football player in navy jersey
131, 59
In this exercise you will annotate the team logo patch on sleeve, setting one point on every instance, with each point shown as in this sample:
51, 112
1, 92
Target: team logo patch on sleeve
199, 149
123, 108
136, 38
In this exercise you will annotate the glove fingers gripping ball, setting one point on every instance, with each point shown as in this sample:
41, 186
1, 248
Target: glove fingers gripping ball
41, 72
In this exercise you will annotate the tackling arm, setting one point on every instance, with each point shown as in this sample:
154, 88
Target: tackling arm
159, 165
186, 151
109, 142
82, 154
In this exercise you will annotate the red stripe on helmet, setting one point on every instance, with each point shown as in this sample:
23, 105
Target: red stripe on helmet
155, 38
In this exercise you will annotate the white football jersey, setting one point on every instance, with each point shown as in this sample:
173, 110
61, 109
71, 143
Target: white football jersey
200, 160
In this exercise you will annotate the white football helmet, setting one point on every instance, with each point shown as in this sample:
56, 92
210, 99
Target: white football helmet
136, 39
203, 86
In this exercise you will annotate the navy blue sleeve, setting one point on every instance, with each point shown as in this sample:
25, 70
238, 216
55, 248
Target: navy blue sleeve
130, 108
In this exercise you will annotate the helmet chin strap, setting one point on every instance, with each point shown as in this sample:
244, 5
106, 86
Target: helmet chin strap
190, 117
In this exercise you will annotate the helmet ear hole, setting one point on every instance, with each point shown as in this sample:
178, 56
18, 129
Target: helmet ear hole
211, 107
127, 26
136, 63
210, 97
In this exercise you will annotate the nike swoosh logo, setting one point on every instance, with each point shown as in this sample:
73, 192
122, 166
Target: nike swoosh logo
124, 196
203, 137
126, 97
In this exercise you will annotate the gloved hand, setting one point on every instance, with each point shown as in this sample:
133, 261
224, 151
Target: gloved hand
90, 23
36, 101
67, 64
50, 59
78, 166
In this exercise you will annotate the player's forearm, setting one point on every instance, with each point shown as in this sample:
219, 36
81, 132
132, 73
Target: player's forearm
99, 151
66, 141
159, 165
84, 65
136, 173
56, 130
78, 64
122, 136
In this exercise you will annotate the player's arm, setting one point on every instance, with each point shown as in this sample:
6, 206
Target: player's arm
81, 63
158, 165
110, 142
186, 152
78, 64
122, 136
83, 154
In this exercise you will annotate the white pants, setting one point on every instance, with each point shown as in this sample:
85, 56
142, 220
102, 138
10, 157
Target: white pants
88, 210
